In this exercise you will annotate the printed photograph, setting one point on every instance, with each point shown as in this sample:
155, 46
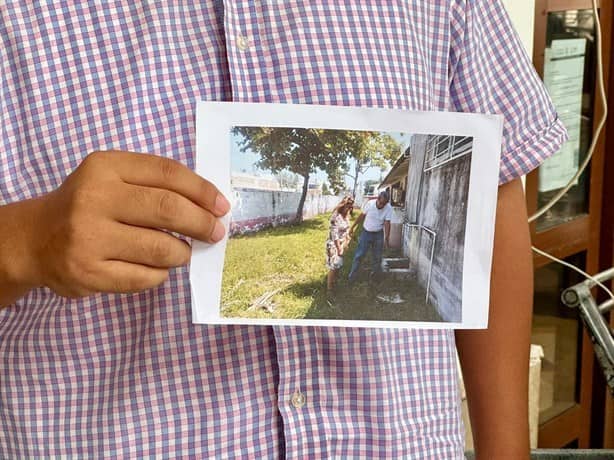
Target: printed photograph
346, 225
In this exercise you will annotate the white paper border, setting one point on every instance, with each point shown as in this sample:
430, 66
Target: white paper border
213, 123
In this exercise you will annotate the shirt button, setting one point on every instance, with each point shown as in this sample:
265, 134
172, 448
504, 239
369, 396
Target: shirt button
242, 42
298, 399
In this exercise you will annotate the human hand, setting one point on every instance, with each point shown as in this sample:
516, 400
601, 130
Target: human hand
105, 229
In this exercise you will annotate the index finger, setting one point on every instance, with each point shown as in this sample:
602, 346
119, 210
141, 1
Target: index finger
160, 172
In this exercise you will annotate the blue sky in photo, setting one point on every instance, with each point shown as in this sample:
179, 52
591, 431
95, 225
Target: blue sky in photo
245, 162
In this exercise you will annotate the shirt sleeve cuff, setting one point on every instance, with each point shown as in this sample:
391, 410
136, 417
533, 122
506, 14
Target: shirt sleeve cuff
529, 155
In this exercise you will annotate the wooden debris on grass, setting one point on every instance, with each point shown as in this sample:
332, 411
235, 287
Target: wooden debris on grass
265, 302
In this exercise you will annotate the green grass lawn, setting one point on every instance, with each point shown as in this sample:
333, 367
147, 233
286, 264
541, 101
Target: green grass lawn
287, 258
285, 265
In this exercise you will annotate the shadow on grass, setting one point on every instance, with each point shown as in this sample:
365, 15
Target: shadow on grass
300, 291
384, 299
381, 298
310, 288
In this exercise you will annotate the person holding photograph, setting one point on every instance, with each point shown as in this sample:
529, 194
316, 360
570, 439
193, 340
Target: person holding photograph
338, 240
98, 353
375, 218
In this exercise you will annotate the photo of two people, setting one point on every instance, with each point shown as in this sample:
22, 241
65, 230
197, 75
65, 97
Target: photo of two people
346, 225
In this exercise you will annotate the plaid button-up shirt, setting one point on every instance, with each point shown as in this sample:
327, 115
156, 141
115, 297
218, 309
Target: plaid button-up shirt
130, 375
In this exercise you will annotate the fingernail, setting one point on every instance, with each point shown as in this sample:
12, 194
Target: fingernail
218, 232
222, 206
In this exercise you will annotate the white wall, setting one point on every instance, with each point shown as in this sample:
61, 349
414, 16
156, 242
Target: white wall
522, 13
253, 210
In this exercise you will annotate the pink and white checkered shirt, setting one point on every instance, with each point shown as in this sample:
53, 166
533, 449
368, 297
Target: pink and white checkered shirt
130, 375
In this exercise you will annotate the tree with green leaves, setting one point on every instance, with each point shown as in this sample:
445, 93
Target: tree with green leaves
371, 149
325, 189
303, 151
336, 180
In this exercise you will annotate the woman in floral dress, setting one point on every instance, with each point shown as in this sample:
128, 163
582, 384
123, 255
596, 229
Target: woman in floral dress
338, 239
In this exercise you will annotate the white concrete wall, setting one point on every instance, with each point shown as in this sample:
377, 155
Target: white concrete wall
253, 209
522, 14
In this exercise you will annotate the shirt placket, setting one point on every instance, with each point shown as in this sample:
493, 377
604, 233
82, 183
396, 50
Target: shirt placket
298, 392
251, 70
247, 51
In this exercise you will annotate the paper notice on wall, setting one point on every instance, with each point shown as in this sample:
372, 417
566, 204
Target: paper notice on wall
564, 76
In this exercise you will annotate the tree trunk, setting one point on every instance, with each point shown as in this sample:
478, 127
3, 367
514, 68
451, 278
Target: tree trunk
356, 174
301, 202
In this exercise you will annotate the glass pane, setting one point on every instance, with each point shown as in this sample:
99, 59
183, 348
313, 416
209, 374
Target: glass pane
462, 145
443, 145
558, 330
569, 75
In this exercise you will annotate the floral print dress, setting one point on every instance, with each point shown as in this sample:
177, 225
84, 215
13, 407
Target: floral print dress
339, 231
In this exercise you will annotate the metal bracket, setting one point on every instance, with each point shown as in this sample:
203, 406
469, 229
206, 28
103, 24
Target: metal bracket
579, 296
434, 236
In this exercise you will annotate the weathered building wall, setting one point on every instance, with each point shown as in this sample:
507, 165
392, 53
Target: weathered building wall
253, 209
444, 209
437, 200
396, 227
414, 176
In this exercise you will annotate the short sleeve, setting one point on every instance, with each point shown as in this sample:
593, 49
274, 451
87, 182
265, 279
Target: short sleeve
365, 206
388, 212
490, 72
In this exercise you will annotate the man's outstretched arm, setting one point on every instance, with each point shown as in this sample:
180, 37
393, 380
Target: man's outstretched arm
357, 222
495, 361
387, 233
